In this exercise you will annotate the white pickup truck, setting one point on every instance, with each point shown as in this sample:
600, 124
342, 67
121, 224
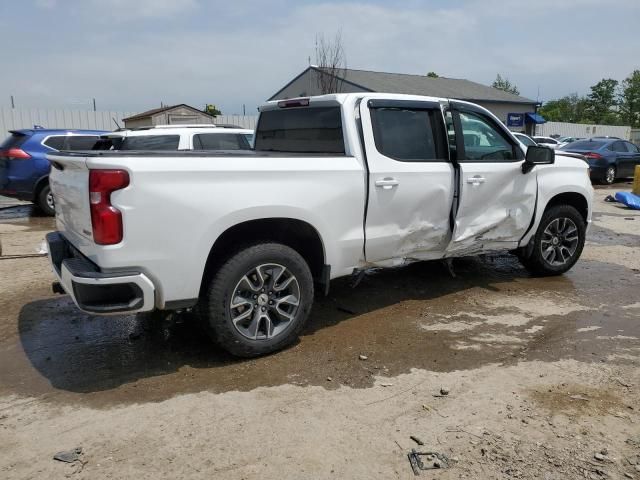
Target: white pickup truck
336, 184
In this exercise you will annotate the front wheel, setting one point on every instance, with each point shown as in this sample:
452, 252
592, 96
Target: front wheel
610, 175
258, 301
558, 243
45, 201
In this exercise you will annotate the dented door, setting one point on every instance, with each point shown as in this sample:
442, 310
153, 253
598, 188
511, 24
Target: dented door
496, 200
410, 180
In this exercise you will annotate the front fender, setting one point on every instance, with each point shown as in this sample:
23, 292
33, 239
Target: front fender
566, 175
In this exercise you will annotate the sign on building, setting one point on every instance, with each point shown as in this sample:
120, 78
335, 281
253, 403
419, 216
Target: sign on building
515, 120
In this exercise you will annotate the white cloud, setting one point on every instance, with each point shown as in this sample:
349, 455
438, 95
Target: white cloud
207, 52
128, 10
46, 4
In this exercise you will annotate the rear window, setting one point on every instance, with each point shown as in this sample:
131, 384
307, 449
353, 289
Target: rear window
71, 142
583, 145
15, 140
80, 142
220, 141
151, 142
304, 130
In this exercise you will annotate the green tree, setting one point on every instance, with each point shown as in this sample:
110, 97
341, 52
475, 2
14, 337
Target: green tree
630, 100
571, 109
212, 110
432, 75
505, 85
601, 100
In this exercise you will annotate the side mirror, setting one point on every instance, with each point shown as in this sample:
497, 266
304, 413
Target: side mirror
537, 155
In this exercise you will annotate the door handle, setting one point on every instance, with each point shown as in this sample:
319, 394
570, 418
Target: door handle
387, 183
476, 180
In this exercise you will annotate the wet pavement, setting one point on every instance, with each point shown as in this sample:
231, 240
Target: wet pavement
416, 317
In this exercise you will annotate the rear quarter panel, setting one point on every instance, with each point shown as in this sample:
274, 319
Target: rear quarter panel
176, 207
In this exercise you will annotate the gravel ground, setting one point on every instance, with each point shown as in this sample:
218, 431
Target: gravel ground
541, 375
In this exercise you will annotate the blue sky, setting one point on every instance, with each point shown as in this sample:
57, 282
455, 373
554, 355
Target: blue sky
133, 54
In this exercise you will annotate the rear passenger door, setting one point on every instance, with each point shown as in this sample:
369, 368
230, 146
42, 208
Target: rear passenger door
497, 201
410, 181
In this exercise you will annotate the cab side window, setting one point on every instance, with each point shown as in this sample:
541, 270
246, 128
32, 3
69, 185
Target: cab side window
483, 141
618, 147
407, 135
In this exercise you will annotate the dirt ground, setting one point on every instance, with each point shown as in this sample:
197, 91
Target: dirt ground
542, 375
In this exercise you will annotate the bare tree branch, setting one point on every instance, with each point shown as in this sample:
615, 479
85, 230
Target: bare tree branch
332, 63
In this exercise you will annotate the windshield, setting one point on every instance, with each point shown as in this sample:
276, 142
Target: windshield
526, 140
545, 140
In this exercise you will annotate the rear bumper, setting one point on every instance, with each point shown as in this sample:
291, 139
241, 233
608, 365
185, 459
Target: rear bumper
598, 172
93, 290
26, 196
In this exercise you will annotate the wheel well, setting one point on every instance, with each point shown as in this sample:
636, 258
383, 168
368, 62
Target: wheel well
296, 234
574, 199
40, 184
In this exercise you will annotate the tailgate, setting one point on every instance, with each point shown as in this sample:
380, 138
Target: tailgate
69, 181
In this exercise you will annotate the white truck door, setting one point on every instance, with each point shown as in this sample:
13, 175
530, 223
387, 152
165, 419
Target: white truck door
410, 180
496, 199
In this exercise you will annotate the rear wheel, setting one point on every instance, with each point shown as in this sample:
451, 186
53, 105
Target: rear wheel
610, 175
45, 201
558, 243
258, 301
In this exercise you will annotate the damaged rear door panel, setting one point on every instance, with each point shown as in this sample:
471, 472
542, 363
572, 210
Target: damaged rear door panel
496, 199
411, 180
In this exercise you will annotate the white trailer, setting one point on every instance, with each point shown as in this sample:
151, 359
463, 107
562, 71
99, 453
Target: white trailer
581, 130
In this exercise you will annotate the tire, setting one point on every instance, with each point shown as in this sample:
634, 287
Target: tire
541, 261
266, 316
45, 201
610, 175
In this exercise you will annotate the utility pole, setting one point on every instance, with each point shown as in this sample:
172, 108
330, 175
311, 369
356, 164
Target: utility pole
244, 110
13, 104
94, 104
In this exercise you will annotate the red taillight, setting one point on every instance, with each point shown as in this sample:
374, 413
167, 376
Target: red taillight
15, 153
593, 155
106, 220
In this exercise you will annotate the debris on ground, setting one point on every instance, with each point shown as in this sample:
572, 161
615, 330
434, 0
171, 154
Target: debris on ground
416, 439
578, 397
444, 391
426, 461
629, 199
69, 456
363, 357
345, 310
600, 457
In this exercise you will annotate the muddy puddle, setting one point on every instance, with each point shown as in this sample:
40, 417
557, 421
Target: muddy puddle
412, 317
492, 312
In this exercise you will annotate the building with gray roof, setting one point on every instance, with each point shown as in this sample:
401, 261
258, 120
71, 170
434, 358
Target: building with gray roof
506, 106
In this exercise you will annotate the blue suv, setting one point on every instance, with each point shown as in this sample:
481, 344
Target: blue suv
24, 168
